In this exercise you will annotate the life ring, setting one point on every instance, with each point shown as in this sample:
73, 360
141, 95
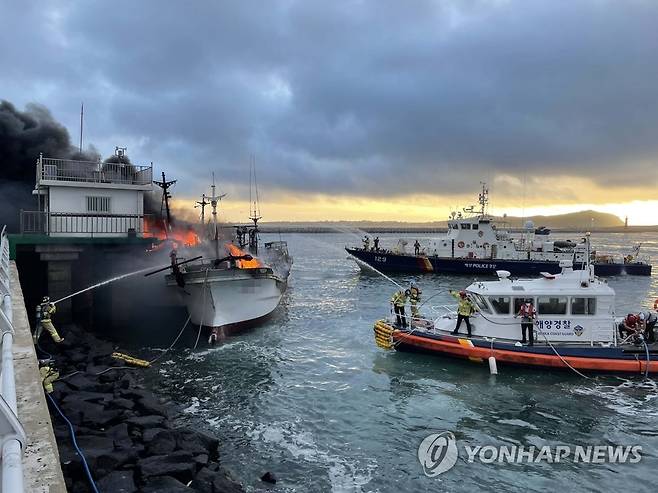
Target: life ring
480, 234
460, 244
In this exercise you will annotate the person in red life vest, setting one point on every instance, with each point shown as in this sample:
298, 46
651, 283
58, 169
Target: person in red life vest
629, 326
528, 314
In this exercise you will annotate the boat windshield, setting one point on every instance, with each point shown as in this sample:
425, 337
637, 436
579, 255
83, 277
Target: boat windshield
480, 302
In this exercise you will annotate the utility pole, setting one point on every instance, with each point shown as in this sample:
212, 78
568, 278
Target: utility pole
165, 185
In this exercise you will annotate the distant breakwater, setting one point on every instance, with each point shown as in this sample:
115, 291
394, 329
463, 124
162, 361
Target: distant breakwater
265, 228
127, 434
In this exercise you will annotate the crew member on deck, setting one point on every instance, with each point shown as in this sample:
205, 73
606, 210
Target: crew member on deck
375, 243
366, 243
414, 300
399, 299
465, 309
46, 311
417, 248
527, 314
629, 326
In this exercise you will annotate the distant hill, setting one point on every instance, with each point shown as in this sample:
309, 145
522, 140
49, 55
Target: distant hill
578, 221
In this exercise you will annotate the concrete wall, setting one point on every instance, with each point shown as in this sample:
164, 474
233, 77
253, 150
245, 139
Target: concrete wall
41, 467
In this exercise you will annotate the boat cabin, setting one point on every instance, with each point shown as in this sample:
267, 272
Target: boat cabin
573, 307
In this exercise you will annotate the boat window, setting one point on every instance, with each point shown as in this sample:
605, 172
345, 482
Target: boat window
519, 301
500, 304
454, 226
476, 226
551, 305
466, 226
583, 306
480, 302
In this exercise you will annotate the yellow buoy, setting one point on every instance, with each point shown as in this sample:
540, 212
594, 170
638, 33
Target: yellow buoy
383, 334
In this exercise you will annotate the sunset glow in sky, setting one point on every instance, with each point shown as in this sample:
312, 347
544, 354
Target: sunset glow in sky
359, 109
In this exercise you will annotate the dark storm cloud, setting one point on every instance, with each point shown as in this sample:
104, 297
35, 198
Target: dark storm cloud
360, 97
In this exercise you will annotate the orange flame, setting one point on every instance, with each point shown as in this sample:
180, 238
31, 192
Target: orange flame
181, 235
243, 264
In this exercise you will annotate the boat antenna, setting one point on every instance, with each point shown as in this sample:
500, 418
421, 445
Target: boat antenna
82, 112
483, 199
165, 185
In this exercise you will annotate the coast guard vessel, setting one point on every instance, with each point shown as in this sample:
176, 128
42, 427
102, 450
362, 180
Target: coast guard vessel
575, 326
475, 245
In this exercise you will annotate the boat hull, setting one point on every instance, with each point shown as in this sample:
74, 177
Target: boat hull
392, 262
232, 298
611, 359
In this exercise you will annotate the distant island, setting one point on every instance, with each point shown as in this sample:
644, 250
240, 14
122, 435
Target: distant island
572, 222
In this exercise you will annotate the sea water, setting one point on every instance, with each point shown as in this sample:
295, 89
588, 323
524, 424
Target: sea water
309, 396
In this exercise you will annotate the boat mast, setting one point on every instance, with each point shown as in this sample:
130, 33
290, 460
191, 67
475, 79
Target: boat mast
483, 199
254, 213
202, 203
165, 185
214, 199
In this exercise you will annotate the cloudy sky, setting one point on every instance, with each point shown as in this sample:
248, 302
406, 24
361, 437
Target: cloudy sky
358, 109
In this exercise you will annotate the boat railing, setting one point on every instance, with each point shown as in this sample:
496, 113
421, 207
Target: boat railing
12, 435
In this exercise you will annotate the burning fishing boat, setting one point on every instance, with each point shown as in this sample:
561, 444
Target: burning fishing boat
238, 285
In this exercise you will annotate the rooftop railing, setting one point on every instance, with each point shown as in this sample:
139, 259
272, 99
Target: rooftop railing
12, 435
49, 169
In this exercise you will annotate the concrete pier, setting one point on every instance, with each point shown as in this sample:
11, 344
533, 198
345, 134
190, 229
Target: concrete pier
40, 456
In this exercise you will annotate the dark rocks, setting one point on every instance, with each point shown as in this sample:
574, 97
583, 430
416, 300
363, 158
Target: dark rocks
165, 484
118, 482
162, 443
197, 442
177, 464
268, 477
147, 421
125, 431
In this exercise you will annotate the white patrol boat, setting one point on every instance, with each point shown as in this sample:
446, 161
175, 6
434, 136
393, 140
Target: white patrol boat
575, 326
475, 245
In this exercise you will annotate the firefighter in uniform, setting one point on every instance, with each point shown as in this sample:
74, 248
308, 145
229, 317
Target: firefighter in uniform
414, 300
399, 299
465, 309
48, 375
45, 312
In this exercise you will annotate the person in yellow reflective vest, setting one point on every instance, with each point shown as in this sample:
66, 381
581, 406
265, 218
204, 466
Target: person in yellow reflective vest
465, 309
399, 299
47, 310
414, 300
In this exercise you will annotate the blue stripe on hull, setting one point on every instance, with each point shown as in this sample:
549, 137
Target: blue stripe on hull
391, 262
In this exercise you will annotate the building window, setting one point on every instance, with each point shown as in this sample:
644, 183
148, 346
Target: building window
98, 204
583, 306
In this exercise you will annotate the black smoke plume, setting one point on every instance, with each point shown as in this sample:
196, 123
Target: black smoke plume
23, 135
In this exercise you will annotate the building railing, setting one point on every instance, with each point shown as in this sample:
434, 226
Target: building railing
12, 435
82, 224
49, 169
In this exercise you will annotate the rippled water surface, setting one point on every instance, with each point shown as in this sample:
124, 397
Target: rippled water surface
310, 397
